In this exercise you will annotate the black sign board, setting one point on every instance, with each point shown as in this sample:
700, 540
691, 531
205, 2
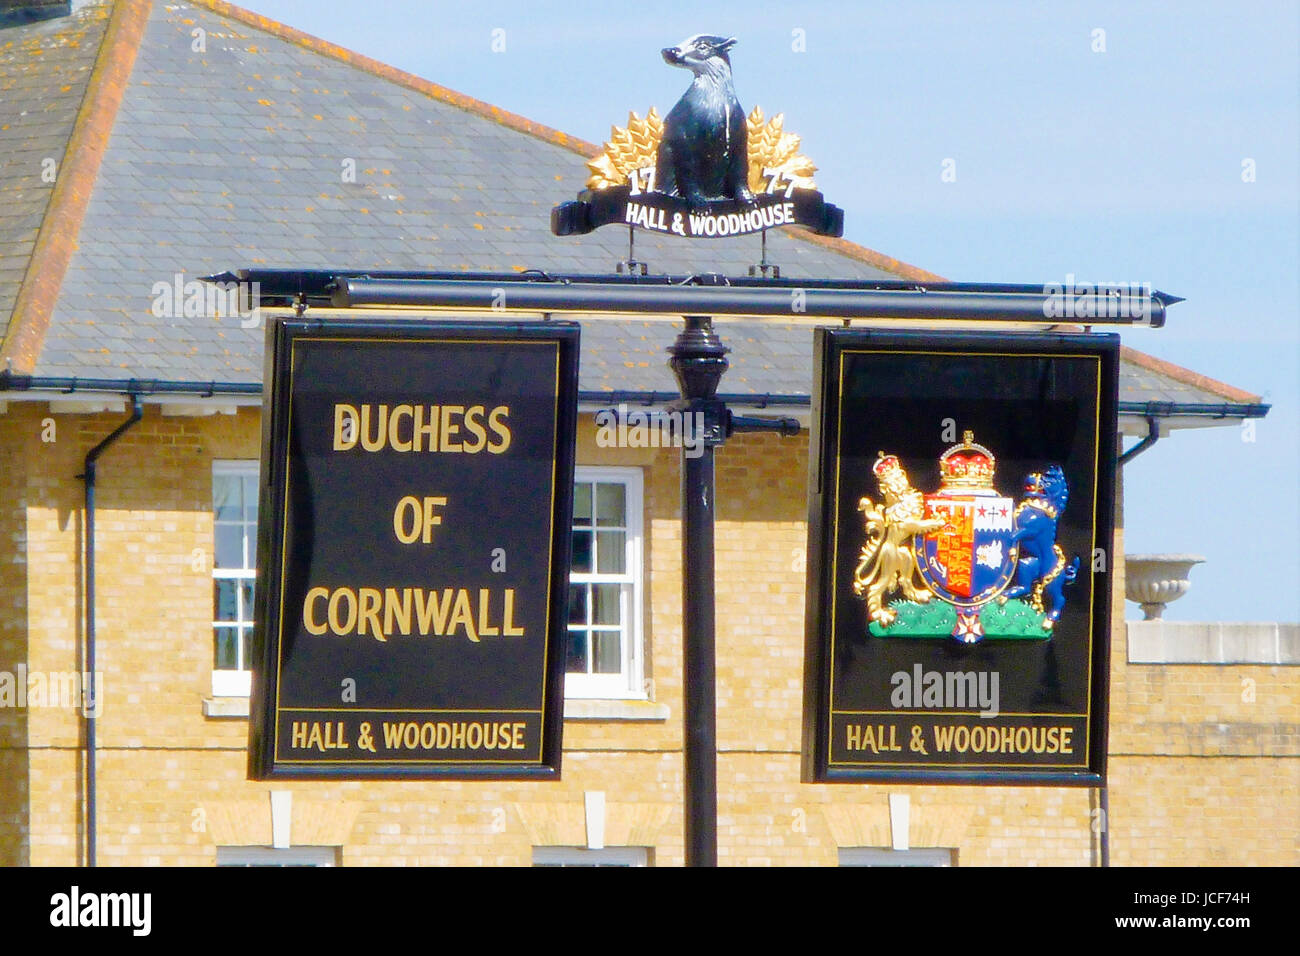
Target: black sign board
670, 215
417, 495
960, 525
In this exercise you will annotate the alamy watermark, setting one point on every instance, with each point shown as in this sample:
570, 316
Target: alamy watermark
196, 298
1097, 300
947, 690
21, 689
133, 911
640, 428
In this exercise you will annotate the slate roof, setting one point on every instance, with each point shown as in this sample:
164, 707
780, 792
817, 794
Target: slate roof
188, 163
776, 360
44, 71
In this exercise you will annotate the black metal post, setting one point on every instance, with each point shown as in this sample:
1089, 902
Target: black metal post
1105, 826
698, 360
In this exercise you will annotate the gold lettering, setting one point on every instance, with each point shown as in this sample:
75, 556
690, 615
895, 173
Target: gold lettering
869, 740
428, 607
474, 426
399, 520
376, 443
307, 620
394, 441
422, 529
383, 612
463, 614
397, 613
431, 519
420, 430
337, 598
343, 414
508, 618
484, 606
371, 600
496, 422
448, 429
435, 428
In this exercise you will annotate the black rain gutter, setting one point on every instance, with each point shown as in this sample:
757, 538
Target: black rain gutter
1147, 410
90, 706
10, 382
1172, 409
749, 400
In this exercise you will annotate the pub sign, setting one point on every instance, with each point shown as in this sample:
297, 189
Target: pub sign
707, 169
959, 587
417, 493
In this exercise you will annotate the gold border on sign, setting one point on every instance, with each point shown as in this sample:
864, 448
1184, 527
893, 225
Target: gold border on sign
835, 548
280, 623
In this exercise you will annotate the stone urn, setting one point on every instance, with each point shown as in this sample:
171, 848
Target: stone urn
1153, 580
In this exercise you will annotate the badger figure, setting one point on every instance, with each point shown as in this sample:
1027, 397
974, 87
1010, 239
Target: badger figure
703, 153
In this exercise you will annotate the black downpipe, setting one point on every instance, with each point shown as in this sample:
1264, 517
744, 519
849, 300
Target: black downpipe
91, 707
1153, 436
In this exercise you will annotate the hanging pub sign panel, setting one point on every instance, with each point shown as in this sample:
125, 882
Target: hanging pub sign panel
960, 525
706, 170
417, 494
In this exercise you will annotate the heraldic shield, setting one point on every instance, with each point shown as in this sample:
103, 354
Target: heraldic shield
967, 545
968, 560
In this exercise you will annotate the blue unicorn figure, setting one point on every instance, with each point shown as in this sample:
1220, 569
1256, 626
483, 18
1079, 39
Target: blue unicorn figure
1041, 569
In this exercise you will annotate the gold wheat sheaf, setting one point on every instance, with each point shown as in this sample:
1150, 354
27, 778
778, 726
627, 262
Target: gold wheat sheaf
773, 153
629, 148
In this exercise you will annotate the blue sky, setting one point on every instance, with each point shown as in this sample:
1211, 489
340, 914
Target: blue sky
1122, 164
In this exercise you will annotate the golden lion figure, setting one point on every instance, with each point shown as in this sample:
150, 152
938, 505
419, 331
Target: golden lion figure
887, 562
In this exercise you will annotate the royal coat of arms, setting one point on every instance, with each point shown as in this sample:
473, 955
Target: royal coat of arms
965, 561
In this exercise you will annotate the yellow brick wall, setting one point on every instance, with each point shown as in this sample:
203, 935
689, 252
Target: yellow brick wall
1200, 774
1198, 811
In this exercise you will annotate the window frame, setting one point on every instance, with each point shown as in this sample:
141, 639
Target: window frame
630, 856
629, 683
883, 856
235, 682
246, 856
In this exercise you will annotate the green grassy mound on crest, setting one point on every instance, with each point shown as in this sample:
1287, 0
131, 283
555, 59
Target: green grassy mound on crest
1014, 620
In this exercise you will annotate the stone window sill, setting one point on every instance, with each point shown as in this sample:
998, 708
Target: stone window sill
592, 709
217, 708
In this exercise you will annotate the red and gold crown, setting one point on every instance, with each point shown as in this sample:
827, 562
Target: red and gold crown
887, 466
967, 465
